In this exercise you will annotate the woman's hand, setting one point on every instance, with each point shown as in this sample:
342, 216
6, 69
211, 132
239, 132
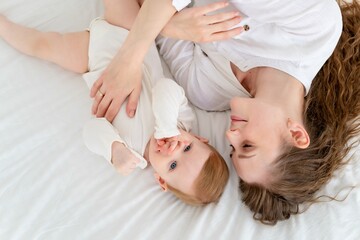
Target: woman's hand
122, 78
193, 24
120, 81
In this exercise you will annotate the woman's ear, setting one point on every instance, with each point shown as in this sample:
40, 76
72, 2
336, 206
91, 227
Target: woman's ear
299, 136
161, 182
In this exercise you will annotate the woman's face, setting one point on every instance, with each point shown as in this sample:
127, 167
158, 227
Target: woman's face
256, 134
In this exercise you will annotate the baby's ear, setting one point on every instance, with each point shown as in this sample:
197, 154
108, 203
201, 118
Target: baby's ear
161, 182
299, 136
204, 140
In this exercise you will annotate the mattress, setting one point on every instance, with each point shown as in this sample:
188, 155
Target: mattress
53, 187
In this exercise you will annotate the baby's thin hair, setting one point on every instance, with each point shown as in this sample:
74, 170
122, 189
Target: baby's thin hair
210, 183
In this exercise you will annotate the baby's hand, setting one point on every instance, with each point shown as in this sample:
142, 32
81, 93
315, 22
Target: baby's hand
168, 145
123, 160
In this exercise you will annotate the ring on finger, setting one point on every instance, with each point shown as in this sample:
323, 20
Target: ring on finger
100, 93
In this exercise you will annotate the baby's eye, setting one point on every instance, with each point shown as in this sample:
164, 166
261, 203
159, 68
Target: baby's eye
173, 165
187, 148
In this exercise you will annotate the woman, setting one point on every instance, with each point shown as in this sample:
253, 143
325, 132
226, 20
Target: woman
331, 117
282, 153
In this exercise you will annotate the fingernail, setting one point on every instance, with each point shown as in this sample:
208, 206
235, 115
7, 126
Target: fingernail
132, 113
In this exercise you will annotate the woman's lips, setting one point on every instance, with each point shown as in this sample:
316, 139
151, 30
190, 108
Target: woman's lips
237, 119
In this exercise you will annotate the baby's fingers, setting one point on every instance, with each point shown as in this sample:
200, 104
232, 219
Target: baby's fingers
160, 142
172, 146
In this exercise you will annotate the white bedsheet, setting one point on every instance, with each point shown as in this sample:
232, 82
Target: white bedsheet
52, 187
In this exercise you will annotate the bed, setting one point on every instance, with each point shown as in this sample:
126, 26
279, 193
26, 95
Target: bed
53, 187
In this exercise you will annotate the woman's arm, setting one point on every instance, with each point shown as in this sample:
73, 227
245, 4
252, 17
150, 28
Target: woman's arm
122, 78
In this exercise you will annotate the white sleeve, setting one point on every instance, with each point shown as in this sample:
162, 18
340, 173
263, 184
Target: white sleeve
99, 135
280, 12
171, 109
293, 16
180, 4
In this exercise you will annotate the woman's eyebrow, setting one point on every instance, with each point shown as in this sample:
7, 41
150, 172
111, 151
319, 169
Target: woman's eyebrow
245, 156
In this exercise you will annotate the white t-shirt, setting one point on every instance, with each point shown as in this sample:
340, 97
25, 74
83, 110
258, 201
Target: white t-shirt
162, 105
294, 36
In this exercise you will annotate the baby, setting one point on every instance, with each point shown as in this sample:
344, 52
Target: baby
158, 133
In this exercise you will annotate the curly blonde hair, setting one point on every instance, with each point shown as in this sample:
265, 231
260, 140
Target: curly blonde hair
331, 116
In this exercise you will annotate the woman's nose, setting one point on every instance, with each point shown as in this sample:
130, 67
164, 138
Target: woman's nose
234, 136
235, 131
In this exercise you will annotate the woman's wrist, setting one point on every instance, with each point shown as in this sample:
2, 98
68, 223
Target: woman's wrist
169, 31
129, 57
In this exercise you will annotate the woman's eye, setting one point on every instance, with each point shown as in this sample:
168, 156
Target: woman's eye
173, 165
232, 147
232, 150
187, 148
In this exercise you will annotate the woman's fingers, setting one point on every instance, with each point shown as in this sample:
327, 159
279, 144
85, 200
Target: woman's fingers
225, 25
96, 86
112, 109
105, 105
102, 105
218, 36
220, 26
133, 101
96, 102
203, 10
223, 17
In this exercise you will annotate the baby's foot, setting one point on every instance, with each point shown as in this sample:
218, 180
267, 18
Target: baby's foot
123, 159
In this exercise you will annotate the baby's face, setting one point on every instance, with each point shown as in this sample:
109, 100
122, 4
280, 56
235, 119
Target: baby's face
181, 167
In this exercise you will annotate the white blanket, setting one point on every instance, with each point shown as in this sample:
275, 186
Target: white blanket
53, 187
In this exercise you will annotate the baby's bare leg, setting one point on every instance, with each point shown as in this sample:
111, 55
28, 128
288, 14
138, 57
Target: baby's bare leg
69, 50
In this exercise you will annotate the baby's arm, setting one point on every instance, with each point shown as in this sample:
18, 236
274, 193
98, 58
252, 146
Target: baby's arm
69, 50
102, 138
171, 111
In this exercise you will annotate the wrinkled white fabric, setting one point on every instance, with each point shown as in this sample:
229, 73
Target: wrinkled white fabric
180, 4
52, 187
295, 36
